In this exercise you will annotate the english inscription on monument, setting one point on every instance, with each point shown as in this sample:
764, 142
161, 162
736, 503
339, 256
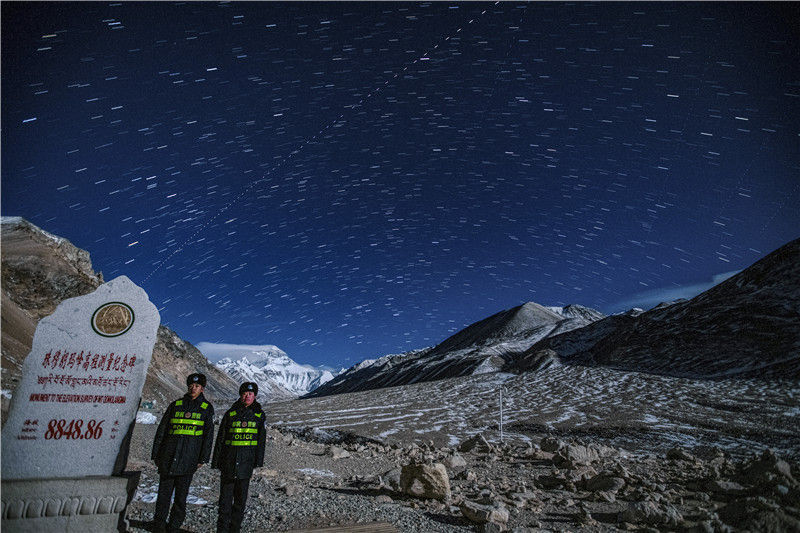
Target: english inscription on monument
81, 385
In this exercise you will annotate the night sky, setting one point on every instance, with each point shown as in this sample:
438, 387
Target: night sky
347, 180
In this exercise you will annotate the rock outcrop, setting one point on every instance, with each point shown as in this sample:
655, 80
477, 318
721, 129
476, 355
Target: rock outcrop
39, 271
425, 481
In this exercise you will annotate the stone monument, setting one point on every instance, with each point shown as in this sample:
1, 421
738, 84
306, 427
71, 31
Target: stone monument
65, 444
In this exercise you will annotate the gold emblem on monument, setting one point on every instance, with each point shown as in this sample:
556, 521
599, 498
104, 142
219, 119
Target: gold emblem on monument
112, 319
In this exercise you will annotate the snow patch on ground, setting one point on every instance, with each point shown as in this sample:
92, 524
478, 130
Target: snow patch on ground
143, 417
316, 473
147, 497
320, 435
150, 495
195, 500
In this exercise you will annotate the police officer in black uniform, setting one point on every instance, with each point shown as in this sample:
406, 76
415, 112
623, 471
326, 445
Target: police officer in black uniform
182, 445
238, 450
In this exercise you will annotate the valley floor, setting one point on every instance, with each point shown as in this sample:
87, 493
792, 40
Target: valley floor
584, 449
644, 413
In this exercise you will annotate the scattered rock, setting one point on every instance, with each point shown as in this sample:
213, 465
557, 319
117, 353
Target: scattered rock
481, 514
553, 481
727, 488
467, 475
650, 513
264, 473
337, 453
768, 469
585, 517
476, 444
491, 527
291, 489
509, 487
455, 462
391, 480
523, 497
528, 451
551, 444
679, 454
603, 496
605, 482
758, 514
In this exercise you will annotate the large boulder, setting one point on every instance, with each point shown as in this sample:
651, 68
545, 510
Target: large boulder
576, 454
725, 488
425, 481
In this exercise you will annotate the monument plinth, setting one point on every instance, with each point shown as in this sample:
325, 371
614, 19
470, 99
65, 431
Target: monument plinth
70, 418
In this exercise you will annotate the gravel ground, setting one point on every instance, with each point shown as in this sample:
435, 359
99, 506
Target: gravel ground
548, 485
299, 487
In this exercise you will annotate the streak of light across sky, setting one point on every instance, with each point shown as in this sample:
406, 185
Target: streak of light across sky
347, 180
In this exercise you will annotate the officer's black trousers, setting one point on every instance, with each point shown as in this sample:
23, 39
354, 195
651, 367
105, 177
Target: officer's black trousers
166, 485
232, 499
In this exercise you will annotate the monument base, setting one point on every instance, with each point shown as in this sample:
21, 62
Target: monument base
84, 505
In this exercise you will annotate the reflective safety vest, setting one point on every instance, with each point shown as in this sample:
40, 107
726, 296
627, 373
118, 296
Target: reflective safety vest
187, 423
242, 433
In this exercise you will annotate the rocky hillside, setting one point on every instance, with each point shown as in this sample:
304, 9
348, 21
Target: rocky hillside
748, 325
39, 270
173, 360
483, 347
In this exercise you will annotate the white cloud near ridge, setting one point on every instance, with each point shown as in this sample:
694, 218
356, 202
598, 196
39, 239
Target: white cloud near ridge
215, 351
651, 298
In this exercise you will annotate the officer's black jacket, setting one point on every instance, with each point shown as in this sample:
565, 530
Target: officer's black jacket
184, 437
240, 441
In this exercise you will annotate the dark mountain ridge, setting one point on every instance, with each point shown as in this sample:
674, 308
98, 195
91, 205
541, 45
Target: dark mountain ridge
485, 346
747, 326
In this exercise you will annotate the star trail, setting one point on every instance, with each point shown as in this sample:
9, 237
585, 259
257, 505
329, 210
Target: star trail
346, 180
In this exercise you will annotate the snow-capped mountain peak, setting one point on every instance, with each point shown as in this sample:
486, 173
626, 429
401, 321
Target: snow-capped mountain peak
278, 376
